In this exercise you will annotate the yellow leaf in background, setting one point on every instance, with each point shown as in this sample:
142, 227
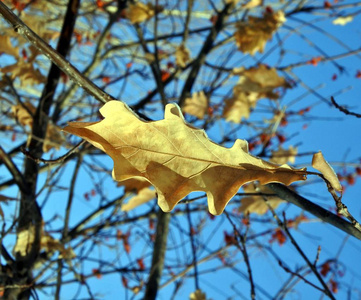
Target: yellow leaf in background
22, 113
197, 295
42, 26
143, 196
234, 2
46, 27
320, 164
176, 158
7, 47
254, 84
197, 105
25, 71
49, 245
263, 79
182, 56
140, 12
25, 239
282, 156
239, 106
38, 5
252, 35
34, 52
257, 204
342, 20
134, 184
252, 3
53, 138
150, 57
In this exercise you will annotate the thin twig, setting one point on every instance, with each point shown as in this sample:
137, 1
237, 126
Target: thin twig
16, 174
284, 227
341, 208
53, 161
343, 109
191, 236
296, 274
244, 252
160, 245
21, 28
206, 49
286, 194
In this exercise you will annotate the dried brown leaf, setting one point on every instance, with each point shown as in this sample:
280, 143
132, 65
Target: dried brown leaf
7, 47
197, 295
252, 35
182, 56
26, 73
282, 156
197, 105
140, 12
320, 164
177, 158
239, 106
25, 239
22, 113
49, 244
257, 204
53, 138
262, 79
252, 4
342, 20
134, 184
143, 196
253, 84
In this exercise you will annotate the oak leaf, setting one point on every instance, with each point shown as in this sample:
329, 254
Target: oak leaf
38, 5
134, 184
197, 295
239, 106
182, 56
143, 196
252, 35
282, 156
26, 73
140, 12
42, 26
176, 158
252, 3
46, 27
7, 47
342, 20
24, 115
197, 105
320, 164
254, 84
257, 204
262, 80
26, 238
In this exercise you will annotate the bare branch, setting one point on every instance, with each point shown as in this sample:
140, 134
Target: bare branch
343, 109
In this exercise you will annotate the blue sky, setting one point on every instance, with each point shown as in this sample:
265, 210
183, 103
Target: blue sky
328, 130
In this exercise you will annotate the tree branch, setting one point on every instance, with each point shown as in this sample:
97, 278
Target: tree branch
21, 28
17, 176
207, 47
160, 245
343, 109
286, 194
